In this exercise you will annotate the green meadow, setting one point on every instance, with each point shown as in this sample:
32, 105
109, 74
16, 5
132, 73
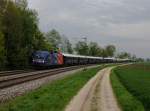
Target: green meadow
131, 85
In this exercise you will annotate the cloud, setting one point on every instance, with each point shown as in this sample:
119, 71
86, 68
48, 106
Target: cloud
125, 23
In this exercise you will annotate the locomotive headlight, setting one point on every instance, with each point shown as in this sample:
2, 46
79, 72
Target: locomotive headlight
43, 61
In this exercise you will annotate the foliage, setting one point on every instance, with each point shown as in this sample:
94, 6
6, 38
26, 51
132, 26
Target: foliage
139, 59
125, 99
66, 45
148, 60
82, 48
40, 42
124, 55
52, 97
136, 78
54, 38
2, 41
58, 41
2, 51
69, 47
21, 35
110, 50
94, 49
104, 53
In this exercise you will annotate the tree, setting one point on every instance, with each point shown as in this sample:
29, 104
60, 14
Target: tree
82, 48
124, 55
54, 38
12, 33
21, 33
3, 5
139, 60
110, 50
2, 40
94, 49
104, 53
40, 42
21, 3
133, 57
2, 51
69, 47
66, 46
148, 60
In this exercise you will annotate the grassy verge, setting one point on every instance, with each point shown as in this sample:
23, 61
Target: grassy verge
125, 99
52, 97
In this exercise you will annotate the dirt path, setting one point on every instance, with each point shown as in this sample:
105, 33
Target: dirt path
96, 95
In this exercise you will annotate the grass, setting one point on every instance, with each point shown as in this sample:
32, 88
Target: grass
125, 99
52, 97
136, 80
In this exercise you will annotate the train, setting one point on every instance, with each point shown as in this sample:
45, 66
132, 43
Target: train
57, 58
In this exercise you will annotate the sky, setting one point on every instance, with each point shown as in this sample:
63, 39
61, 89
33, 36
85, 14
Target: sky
123, 23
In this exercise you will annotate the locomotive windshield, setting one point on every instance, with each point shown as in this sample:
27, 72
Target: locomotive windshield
40, 55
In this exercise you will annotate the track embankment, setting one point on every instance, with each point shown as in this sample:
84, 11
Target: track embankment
24, 87
96, 95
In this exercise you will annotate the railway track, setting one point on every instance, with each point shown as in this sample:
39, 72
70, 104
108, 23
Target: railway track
9, 73
14, 79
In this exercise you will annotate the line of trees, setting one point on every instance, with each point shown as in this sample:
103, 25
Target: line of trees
57, 40
20, 36
93, 49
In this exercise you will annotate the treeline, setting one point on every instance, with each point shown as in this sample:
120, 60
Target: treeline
57, 40
20, 36
93, 49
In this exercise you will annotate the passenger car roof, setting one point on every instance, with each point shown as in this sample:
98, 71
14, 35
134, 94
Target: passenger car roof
81, 56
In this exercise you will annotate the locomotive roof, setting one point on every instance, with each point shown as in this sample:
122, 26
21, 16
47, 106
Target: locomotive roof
42, 52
